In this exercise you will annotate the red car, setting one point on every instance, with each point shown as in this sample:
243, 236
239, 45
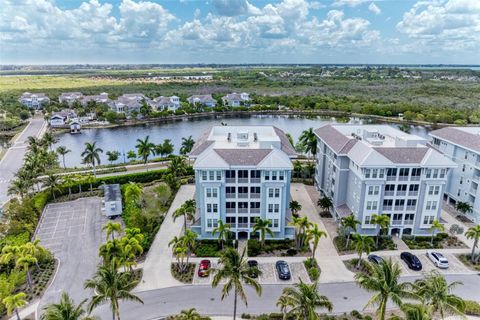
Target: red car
204, 268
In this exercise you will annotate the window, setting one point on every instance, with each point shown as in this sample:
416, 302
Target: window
230, 219
392, 172
204, 175
209, 192
373, 190
381, 174
219, 175
270, 208
404, 172
230, 205
387, 202
254, 189
274, 175
416, 172
428, 219
215, 208
277, 193
443, 172
431, 205
230, 174
389, 187
413, 187
428, 173
267, 175
242, 174
211, 175
367, 220
367, 173
463, 168
374, 173
254, 205
209, 207
281, 175
401, 188
276, 208
275, 223
372, 205
435, 174
230, 190
411, 202
255, 174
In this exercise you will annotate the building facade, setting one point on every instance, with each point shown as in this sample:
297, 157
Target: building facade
461, 145
236, 99
162, 103
376, 169
34, 100
204, 100
70, 97
243, 173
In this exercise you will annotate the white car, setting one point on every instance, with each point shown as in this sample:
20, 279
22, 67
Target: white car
438, 259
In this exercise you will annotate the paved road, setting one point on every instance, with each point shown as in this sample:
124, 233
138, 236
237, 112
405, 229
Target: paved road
13, 158
345, 297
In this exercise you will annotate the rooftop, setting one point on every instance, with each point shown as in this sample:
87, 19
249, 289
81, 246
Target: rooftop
467, 137
112, 192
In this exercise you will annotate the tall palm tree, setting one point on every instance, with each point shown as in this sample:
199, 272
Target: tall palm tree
66, 309
24, 261
303, 300
112, 286
14, 302
314, 234
130, 249
223, 231
91, 155
49, 139
350, 224
189, 314
180, 251
301, 224
62, 150
295, 207
52, 182
111, 228
19, 187
133, 192
382, 222
384, 283
262, 226
68, 180
185, 212
362, 244
284, 303
436, 292
235, 271
34, 144
187, 145
473, 233
145, 148
436, 226
309, 141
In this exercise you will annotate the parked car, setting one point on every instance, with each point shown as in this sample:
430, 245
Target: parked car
204, 268
253, 264
283, 270
411, 260
438, 259
373, 258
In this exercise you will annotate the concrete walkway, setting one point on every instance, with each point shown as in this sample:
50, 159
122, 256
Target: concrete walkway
333, 269
156, 268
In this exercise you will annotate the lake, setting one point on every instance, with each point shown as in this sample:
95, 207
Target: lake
124, 138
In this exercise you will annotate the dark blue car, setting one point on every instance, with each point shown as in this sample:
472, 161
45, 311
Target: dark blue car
283, 270
411, 260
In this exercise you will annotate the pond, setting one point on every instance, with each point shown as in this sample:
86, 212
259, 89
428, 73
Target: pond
124, 138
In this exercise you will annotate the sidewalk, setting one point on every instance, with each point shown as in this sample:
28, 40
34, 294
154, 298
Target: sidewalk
156, 268
332, 267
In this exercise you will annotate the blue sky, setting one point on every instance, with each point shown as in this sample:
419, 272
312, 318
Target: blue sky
239, 31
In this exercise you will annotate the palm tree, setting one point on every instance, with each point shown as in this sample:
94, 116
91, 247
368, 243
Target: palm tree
130, 249
303, 300
180, 251
49, 139
53, 183
315, 234
189, 314
235, 271
113, 286
473, 233
187, 145
185, 212
464, 207
112, 156
61, 150
283, 303
349, 223
112, 227
133, 192
18, 187
325, 203
178, 166
436, 293
382, 222
300, 224
416, 311
262, 226
145, 148
34, 144
384, 282
13, 302
68, 180
166, 148
436, 226
309, 141
223, 231
295, 207
65, 310
91, 155
24, 261
362, 244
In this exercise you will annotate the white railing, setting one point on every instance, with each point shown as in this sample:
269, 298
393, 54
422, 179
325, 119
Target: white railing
255, 180
242, 210
403, 178
242, 195
230, 195
389, 193
255, 210
242, 180
387, 208
413, 193
401, 193
230, 180
255, 195
415, 178
408, 222
411, 208
399, 208
391, 178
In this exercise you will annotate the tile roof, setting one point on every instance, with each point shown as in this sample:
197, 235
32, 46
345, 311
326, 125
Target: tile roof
243, 157
403, 154
343, 211
286, 146
459, 137
337, 141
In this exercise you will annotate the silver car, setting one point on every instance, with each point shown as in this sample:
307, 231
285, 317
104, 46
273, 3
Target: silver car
438, 259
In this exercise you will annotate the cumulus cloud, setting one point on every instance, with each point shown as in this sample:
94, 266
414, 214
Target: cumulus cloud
350, 3
374, 8
233, 8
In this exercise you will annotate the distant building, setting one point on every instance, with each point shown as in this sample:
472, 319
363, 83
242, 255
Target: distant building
70, 97
75, 127
129, 103
461, 145
236, 99
204, 99
34, 100
60, 119
99, 98
112, 200
166, 103
377, 169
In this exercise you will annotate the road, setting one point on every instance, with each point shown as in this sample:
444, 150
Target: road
13, 159
345, 297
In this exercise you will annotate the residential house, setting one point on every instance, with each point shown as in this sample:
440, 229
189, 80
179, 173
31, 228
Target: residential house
129, 102
98, 98
34, 100
377, 169
243, 173
70, 97
166, 103
59, 119
205, 100
236, 99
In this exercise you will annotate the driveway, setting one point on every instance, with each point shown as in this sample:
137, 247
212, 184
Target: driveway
73, 232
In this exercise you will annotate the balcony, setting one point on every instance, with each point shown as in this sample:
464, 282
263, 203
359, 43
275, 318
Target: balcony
254, 210
255, 180
411, 208
389, 193
243, 195
403, 178
415, 178
408, 222
399, 208
230, 195
413, 193
231, 210
391, 178
230, 180
396, 222
387, 208
241, 225
255, 195
242, 210
401, 193
242, 180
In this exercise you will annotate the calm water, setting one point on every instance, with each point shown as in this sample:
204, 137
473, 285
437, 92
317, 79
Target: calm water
123, 139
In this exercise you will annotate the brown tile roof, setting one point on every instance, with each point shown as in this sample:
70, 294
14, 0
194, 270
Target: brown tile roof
403, 154
337, 141
457, 136
243, 157
202, 143
286, 146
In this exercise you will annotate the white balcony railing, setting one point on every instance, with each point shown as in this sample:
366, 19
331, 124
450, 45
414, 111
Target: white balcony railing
254, 210
415, 178
389, 193
408, 222
403, 178
242, 210
230, 195
254, 195
391, 178
230, 210
255, 180
411, 208
230, 180
242, 180
396, 222
413, 193
398, 208
401, 193
387, 208
243, 195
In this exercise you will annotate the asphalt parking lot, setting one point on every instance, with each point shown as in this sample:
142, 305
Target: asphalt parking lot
455, 265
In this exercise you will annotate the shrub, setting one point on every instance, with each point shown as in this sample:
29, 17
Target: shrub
356, 314
15, 240
472, 308
292, 252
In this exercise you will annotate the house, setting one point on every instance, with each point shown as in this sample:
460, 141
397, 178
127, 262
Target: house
166, 103
236, 99
243, 173
70, 97
99, 98
462, 146
59, 119
112, 200
34, 100
75, 127
205, 100
377, 169
129, 102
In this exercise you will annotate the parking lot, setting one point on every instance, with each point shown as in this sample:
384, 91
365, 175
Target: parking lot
455, 265
269, 274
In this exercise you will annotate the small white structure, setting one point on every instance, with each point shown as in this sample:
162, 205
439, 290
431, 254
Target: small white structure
112, 200
75, 127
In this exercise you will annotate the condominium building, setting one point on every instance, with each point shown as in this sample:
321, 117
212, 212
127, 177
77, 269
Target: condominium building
243, 173
377, 169
461, 145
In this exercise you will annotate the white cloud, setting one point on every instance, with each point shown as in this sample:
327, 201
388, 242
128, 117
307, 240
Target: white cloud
374, 8
233, 8
350, 3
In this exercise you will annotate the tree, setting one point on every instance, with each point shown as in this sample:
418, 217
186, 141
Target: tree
262, 226
24, 261
178, 166
223, 231
384, 283
362, 244
133, 193
416, 311
295, 207
187, 145
130, 249
436, 226
112, 156
49, 139
473, 233
131, 155
91, 155
166, 148
52, 183
350, 224
187, 211
325, 203
112, 286
65, 310
68, 180
309, 142
18, 187
145, 148
235, 271
464, 207
189, 314
283, 303
314, 234
436, 293
382, 222
301, 225
61, 150
303, 300
111, 228
14, 302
